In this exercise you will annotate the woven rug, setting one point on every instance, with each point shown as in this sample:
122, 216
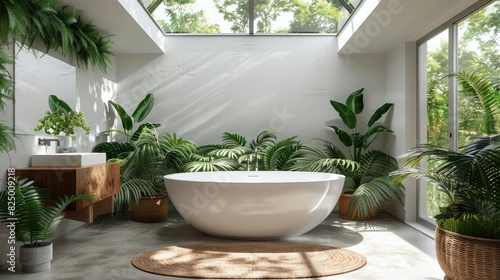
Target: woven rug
248, 260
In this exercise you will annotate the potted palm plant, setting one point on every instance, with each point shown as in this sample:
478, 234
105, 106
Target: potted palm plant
24, 210
467, 236
142, 172
367, 185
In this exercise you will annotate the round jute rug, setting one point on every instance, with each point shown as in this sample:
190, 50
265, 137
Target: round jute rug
250, 260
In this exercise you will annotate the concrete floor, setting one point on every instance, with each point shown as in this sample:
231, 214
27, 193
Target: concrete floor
393, 250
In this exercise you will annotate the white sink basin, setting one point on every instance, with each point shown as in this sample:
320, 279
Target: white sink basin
68, 159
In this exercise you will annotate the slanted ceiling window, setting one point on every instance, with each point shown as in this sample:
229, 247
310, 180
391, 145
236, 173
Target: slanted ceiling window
250, 16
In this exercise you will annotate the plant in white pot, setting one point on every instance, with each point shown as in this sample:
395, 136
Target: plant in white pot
25, 210
62, 119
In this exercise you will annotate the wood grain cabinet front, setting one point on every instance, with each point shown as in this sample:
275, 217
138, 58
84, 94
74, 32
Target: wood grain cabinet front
103, 180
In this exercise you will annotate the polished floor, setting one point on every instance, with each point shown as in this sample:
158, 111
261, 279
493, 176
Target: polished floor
103, 251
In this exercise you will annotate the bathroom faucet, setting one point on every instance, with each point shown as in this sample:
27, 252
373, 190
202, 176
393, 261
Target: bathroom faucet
256, 155
46, 142
256, 159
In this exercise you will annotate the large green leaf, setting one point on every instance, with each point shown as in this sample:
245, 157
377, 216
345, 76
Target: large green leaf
138, 131
371, 134
143, 108
379, 113
355, 101
127, 121
58, 104
347, 116
370, 196
344, 137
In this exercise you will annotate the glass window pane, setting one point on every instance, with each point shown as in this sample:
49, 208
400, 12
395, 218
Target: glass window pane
232, 16
434, 111
306, 16
437, 90
478, 54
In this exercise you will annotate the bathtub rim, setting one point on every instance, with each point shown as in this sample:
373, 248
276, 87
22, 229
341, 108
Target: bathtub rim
327, 177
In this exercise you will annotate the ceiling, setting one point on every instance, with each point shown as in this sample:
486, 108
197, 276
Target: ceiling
379, 25
133, 30
375, 27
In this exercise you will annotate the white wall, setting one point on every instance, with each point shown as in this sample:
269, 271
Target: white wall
93, 90
207, 85
401, 89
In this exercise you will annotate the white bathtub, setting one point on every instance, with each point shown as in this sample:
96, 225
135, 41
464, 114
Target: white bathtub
254, 205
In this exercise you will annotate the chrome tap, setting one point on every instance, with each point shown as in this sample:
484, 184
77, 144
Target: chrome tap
256, 159
46, 142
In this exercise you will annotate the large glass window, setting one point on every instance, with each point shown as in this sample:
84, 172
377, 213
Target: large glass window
459, 70
250, 16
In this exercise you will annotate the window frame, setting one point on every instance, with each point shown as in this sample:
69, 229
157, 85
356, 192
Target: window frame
452, 27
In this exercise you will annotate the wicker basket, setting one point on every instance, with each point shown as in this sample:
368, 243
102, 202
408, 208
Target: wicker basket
468, 258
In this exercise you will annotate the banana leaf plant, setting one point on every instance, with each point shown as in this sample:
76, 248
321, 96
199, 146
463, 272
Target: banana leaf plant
141, 111
366, 170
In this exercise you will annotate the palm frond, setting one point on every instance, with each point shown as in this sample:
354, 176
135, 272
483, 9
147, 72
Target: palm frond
35, 221
282, 155
315, 159
265, 139
114, 150
232, 140
481, 89
221, 164
373, 194
7, 138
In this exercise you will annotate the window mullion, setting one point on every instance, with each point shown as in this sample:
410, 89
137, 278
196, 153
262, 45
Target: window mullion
453, 87
251, 16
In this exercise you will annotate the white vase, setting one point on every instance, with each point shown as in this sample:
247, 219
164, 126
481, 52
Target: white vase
66, 144
36, 259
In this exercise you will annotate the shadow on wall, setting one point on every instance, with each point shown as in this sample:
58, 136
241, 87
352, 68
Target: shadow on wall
242, 85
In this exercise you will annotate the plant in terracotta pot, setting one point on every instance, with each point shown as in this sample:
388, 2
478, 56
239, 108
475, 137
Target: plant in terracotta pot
26, 213
61, 119
367, 185
468, 223
142, 172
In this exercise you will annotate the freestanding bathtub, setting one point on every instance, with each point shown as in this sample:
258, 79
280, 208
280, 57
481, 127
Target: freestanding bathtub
254, 205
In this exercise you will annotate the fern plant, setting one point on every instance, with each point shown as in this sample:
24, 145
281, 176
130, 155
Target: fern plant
469, 178
35, 220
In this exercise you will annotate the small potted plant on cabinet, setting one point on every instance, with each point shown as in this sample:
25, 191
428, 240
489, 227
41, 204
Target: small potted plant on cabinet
25, 211
467, 236
62, 119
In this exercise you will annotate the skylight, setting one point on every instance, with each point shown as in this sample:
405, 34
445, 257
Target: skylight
250, 16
